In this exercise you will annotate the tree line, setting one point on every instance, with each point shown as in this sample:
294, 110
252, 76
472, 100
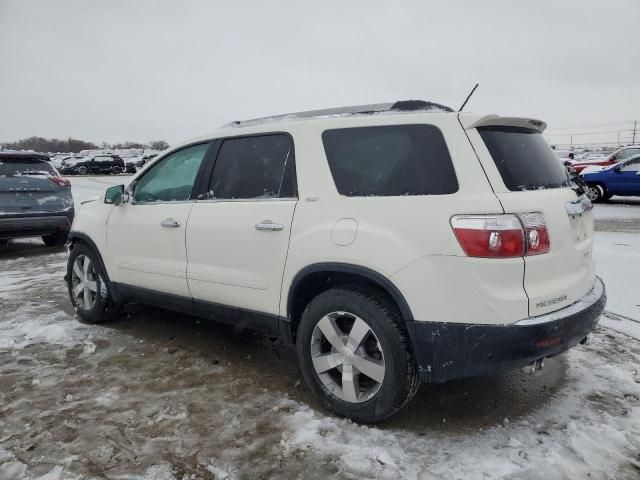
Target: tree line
40, 144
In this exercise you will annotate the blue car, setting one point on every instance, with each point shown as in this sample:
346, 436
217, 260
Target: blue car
620, 179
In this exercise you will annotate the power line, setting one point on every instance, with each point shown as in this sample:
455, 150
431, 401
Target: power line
583, 133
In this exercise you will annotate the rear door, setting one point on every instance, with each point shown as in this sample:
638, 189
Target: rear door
527, 178
238, 236
26, 188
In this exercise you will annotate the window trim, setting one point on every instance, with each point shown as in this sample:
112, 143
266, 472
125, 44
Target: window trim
203, 187
446, 144
192, 196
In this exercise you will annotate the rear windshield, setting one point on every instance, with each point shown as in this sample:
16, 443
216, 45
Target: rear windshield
12, 168
391, 160
524, 158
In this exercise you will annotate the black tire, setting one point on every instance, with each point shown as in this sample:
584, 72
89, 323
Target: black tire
103, 308
400, 381
82, 170
116, 170
55, 239
595, 193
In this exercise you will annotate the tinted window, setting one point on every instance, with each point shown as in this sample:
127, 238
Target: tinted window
255, 167
523, 158
11, 168
390, 161
172, 178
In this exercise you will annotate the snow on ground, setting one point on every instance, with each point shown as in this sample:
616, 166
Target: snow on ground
161, 396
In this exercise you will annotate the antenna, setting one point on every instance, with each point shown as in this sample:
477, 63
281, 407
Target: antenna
468, 97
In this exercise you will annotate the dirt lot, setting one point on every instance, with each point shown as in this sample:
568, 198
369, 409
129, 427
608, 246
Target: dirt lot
157, 395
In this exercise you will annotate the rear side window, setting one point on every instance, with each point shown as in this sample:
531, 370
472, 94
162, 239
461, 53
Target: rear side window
13, 168
390, 160
524, 159
255, 167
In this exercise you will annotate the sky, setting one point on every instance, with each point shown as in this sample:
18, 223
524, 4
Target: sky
149, 69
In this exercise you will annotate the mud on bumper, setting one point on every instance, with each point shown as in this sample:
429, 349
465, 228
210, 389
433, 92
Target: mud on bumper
444, 351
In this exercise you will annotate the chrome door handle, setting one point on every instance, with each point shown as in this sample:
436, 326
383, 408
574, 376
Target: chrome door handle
169, 223
269, 226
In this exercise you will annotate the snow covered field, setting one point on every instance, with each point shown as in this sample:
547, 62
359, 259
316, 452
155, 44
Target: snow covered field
158, 395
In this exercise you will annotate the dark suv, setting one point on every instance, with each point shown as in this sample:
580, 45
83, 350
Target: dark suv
106, 163
34, 200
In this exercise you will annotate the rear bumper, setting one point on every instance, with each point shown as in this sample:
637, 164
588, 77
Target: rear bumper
444, 351
34, 225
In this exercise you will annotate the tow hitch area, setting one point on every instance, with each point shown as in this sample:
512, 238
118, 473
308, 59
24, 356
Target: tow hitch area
533, 367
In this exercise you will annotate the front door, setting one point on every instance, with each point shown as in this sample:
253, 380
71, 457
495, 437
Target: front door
238, 237
146, 236
626, 179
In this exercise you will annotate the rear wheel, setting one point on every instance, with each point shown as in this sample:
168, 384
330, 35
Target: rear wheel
354, 354
87, 287
82, 170
55, 239
595, 193
116, 170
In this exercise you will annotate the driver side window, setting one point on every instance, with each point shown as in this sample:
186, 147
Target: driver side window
633, 166
172, 178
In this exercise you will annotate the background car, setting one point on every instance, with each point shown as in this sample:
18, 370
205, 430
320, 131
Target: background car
107, 163
617, 156
620, 179
34, 199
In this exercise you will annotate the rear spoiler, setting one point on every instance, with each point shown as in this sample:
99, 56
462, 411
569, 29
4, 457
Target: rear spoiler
498, 121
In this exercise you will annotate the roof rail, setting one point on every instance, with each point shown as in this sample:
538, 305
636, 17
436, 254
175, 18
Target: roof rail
399, 106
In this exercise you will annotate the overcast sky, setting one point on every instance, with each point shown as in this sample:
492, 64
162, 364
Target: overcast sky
141, 70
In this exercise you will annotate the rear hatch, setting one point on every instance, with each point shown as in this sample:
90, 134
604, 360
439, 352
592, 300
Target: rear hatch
527, 177
27, 186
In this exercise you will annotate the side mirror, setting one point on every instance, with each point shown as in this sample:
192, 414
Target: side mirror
114, 195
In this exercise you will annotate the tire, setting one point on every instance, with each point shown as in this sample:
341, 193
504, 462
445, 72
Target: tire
385, 344
116, 170
56, 239
94, 305
595, 193
82, 170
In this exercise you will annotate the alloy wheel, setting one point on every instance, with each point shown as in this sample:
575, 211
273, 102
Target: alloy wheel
347, 357
84, 282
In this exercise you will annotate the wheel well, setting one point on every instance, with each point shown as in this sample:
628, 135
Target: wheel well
307, 286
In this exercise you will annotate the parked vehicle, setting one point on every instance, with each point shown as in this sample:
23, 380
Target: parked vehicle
107, 163
134, 164
415, 245
617, 156
34, 200
622, 178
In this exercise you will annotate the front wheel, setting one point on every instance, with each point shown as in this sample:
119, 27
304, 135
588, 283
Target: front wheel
87, 287
116, 170
82, 170
595, 193
354, 354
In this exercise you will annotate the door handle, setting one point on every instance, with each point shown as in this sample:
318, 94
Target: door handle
169, 223
269, 226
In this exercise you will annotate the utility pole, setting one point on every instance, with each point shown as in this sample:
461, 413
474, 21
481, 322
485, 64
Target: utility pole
618, 137
635, 125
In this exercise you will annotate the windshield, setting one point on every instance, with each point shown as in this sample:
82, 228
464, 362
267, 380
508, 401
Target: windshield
14, 168
524, 159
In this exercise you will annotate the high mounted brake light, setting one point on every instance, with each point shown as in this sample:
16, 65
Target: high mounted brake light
501, 235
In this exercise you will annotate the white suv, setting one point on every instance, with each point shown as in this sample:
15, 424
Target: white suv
393, 244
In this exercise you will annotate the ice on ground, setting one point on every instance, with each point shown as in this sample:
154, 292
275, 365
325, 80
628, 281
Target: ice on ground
617, 258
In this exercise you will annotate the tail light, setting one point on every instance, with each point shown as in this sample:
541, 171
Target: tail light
536, 234
501, 236
62, 182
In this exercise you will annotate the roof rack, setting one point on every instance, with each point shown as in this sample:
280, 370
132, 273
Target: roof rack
399, 106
